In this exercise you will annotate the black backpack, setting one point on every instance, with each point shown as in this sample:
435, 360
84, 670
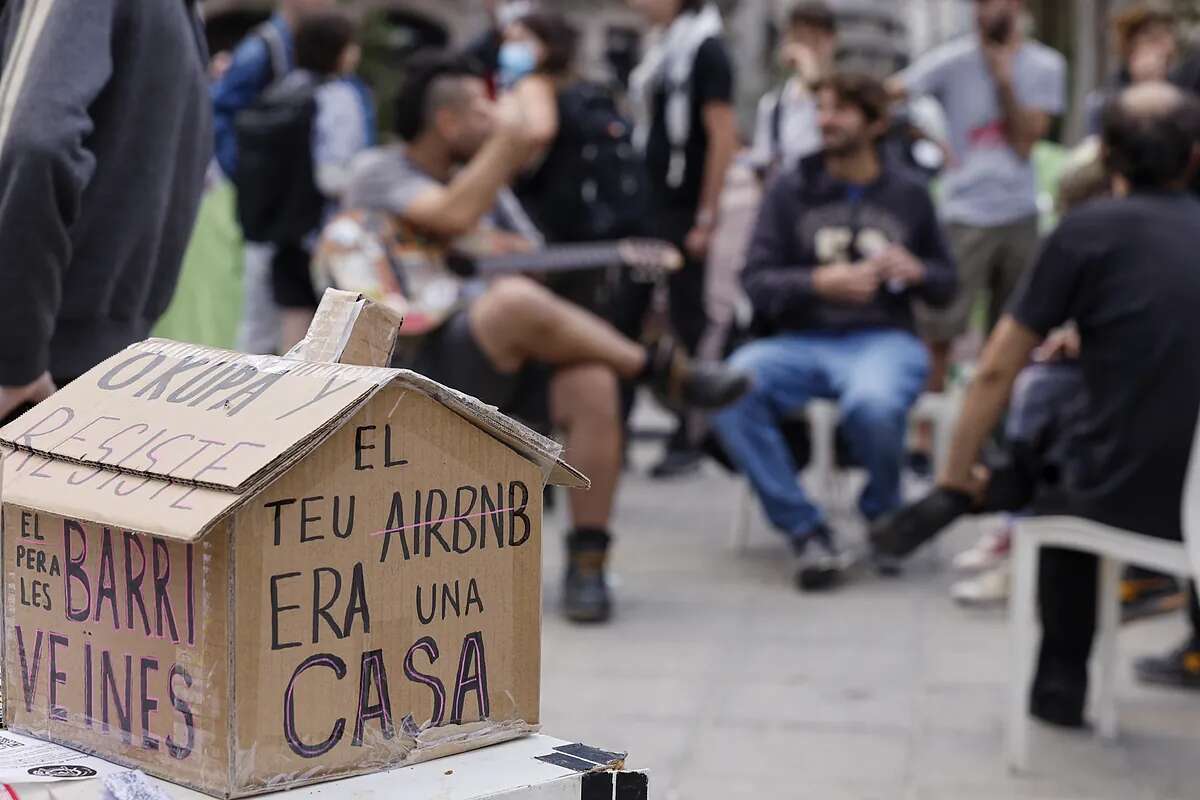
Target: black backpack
277, 196
592, 185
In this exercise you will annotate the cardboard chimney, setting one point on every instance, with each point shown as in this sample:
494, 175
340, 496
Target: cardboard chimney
247, 573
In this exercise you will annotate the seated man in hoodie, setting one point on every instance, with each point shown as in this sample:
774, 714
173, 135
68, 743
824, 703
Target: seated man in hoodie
841, 248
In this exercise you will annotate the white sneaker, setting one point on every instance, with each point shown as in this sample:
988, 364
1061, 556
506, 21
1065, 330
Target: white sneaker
987, 589
991, 549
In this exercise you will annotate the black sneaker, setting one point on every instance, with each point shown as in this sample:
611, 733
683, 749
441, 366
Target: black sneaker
677, 464
898, 534
1147, 594
1061, 712
1059, 692
585, 589
919, 464
681, 383
823, 564
1179, 668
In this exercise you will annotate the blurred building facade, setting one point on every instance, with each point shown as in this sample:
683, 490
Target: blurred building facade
878, 36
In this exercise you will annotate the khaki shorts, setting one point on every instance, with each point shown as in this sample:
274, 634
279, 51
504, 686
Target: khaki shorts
992, 259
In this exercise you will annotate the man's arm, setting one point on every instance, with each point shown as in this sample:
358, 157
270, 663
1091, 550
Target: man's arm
720, 123
923, 77
775, 289
940, 282
536, 94
712, 79
245, 79
1024, 124
45, 167
777, 285
457, 208
1005, 355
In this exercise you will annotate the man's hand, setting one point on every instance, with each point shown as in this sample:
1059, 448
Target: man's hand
1000, 58
900, 268
12, 397
852, 284
803, 61
974, 485
697, 242
1062, 343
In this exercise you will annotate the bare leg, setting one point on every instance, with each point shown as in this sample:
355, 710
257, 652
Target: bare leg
518, 320
584, 402
294, 324
939, 366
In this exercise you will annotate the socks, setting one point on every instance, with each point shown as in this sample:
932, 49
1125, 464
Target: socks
590, 538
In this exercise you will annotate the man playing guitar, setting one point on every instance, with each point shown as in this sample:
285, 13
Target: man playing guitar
449, 181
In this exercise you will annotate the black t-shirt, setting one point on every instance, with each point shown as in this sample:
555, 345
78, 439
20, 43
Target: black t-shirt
1187, 76
1128, 272
711, 81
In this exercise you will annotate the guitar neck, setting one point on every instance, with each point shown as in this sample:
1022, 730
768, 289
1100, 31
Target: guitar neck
559, 258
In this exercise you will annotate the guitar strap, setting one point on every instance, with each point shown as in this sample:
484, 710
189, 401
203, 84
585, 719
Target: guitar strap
386, 233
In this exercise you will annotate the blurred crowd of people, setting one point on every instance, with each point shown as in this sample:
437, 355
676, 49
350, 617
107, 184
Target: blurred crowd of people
483, 212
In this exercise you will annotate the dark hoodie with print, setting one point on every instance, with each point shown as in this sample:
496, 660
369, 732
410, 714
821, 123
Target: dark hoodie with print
105, 136
808, 219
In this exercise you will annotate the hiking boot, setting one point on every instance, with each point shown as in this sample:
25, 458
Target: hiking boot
919, 464
899, 534
585, 589
1146, 594
1179, 668
677, 464
681, 383
823, 564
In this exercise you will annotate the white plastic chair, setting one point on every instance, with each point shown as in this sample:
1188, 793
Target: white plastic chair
1116, 548
1191, 504
941, 410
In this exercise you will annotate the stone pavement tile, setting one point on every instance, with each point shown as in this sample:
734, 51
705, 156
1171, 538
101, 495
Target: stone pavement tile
949, 662
700, 785
972, 765
860, 665
665, 698
629, 657
1162, 715
870, 708
853, 614
1017, 790
1172, 762
882, 690
968, 708
770, 751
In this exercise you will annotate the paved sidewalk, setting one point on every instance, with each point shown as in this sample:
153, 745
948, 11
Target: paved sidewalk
727, 683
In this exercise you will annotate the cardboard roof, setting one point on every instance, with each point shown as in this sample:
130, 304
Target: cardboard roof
203, 429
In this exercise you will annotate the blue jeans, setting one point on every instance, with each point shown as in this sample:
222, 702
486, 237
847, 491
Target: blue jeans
875, 376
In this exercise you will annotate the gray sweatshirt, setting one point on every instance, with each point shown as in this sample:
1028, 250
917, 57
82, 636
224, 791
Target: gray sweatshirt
105, 135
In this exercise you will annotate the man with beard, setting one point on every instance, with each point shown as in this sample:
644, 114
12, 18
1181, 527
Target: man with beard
842, 247
449, 180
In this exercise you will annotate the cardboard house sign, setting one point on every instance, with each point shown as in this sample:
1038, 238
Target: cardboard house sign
247, 573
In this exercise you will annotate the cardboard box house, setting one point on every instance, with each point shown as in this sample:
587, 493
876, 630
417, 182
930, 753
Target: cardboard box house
246, 573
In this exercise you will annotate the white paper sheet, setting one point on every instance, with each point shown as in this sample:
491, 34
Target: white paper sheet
26, 760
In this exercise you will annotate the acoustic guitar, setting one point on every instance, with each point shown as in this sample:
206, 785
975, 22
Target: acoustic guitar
371, 253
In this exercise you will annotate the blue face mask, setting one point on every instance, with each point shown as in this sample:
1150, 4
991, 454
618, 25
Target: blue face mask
517, 59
